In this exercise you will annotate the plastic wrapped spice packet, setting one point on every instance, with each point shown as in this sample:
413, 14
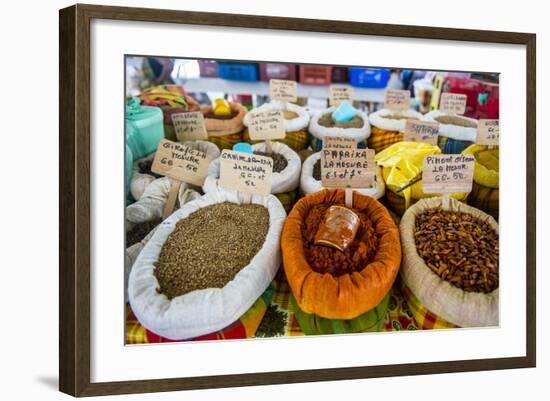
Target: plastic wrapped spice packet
338, 228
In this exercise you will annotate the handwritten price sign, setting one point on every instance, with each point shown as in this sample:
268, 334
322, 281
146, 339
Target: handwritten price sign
246, 172
397, 100
488, 132
189, 126
447, 173
283, 90
453, 103
266, 125
348, 168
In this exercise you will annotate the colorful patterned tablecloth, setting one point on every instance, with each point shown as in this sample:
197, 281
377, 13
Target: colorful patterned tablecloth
273, 315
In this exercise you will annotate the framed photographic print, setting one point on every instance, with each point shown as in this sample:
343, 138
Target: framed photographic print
250, 200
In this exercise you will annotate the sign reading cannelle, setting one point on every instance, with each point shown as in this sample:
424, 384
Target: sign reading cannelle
340, 93
284, 90
421, 131
180, 162
338, 142
397, 99
488, 132
348, 168
189, 126
266, 125
245, 172
452, 103
447, 173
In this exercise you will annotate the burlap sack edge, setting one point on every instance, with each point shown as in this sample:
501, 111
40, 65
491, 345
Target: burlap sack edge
299, 123
455, 131
319, 132
308, 184
378, 119
464, 309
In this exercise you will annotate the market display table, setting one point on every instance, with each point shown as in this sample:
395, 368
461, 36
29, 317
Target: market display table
273, 315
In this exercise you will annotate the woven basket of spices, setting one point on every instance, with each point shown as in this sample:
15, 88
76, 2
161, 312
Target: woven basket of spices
322, 125
310, 179
456, 133
388, 126
335, 284
284, 180
485, 188
296, 120
224, 130
207, 264
450, 261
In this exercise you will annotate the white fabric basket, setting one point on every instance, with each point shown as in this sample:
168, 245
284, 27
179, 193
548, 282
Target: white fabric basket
464, 309
319, 132
283, 181
308, 184
379, 119
455, 131
295, 124
204, 311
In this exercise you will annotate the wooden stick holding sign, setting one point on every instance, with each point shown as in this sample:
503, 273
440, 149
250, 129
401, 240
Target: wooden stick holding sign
348, 168
246, 173
446, 174
181, 164
265, 126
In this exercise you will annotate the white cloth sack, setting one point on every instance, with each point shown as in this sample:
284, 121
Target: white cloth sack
141, 181
455, 131
319, 132
308, 184
283, 181
295, 124
204, 311
464, 309
379, 119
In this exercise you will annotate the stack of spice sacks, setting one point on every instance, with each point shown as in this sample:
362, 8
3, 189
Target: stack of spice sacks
450, 265
388, 126
296, 120
224, 122
310, 179
343, 121
207, 265
340, 262
171, 99
284, 180
485, 188
456, 133
402, 171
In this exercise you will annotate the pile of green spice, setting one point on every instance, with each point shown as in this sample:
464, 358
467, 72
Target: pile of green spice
273, 324
279, 161
209, 247
140, 231
326, 121
144, 167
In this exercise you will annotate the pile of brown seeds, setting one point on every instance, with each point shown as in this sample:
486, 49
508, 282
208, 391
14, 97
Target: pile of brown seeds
279, 161
459, 248
140, 231
209, 247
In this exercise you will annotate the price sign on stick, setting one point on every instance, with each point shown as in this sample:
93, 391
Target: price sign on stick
488, 132
189, 126
452, 103
266, 125
182, 164
421, 131
245, 172
446, 174
340, 93
397, 99
338, 142
284, 90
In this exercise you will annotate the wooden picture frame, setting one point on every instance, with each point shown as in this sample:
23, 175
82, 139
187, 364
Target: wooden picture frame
75, 207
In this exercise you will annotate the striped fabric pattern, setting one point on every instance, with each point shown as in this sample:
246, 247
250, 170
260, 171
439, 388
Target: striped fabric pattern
425, 320
484, 198
226, 141
451, 146
380, 139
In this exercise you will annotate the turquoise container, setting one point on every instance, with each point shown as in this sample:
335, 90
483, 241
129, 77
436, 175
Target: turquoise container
128, 170
144, 128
